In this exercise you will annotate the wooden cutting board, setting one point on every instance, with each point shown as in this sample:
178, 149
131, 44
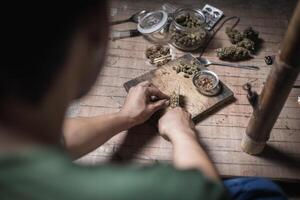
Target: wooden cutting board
167, 80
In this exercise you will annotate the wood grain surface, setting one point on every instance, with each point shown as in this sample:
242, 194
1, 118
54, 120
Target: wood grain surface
168, 81
221, 132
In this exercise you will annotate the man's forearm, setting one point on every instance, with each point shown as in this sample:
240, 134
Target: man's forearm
83, 135
189, 154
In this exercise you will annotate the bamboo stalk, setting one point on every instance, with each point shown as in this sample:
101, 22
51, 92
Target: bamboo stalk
276, 90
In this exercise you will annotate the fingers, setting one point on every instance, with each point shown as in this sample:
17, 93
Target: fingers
182, 111
154, 91
145, 84
158, 105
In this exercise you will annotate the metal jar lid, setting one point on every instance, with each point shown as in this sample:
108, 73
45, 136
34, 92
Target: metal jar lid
152, 22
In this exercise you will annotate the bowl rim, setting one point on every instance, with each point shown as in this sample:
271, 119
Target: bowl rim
207, 72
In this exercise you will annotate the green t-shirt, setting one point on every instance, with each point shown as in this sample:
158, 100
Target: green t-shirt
48, 174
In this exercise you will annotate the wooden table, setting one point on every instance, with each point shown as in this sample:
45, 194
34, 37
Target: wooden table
221, 132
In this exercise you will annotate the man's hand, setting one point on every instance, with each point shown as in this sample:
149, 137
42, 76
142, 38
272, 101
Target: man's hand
176, 124
139, 104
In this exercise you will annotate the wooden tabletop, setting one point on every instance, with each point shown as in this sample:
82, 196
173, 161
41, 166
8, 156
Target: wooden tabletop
221, 132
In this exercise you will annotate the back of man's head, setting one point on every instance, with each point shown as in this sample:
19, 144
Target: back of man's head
35, 41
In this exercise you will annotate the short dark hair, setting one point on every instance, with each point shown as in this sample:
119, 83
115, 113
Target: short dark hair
36, 38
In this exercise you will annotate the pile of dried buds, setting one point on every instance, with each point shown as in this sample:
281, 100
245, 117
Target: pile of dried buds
158, 55
192, 37
187, 69
244, 44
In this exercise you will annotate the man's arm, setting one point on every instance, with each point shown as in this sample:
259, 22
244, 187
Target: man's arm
82, 135
177, 126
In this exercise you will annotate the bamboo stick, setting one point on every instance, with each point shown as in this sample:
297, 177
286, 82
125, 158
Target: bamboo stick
276, 90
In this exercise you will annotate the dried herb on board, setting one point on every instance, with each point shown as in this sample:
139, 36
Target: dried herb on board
233, 53
158, 55
187, 69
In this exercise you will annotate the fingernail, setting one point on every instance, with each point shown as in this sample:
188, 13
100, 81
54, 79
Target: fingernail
167, 102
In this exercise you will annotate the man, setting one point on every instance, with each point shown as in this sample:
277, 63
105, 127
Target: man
54, 52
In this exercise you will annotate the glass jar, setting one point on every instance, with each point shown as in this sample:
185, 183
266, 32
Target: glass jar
187, 30
155, 26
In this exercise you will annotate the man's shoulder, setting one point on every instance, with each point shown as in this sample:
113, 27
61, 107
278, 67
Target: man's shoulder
50, 173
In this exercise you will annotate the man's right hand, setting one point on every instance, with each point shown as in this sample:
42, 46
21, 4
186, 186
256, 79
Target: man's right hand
176, 125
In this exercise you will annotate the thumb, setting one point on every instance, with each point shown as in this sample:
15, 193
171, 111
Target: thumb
158, 105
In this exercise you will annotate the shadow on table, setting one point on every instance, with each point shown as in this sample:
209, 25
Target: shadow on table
281, 158
136, 139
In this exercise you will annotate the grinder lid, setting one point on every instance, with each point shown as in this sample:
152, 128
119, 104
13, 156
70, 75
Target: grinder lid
152, 22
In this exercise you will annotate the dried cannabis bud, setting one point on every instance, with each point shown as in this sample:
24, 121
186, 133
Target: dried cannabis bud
192, 36
233, 53
247, 44
174, 100
234, 35
251, 34
158, 55
187, 69
188, 21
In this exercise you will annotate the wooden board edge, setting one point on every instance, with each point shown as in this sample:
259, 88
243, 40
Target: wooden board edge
127, 85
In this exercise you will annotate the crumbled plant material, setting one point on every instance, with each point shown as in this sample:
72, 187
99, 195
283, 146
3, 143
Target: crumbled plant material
158, 55
174, 100
205, 82
269, 60
187, 69
233, 53
244, 44
192, 37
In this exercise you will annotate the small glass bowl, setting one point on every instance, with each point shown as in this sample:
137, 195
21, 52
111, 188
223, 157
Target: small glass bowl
206, 74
